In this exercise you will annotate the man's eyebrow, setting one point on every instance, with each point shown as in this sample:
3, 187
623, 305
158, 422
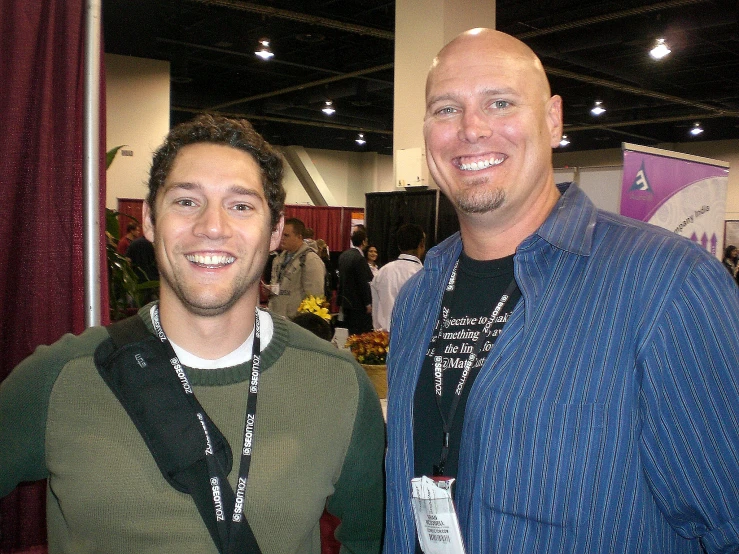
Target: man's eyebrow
440, 98
239, 189
235, 189
184, 185
453, 97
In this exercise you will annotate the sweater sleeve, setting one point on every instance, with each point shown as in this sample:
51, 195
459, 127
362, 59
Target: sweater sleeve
24, 403
359, 498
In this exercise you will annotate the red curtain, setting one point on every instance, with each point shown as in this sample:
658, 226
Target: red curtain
330, 223
41, 245
128, 206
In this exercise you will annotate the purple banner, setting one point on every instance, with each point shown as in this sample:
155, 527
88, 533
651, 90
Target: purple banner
680, 193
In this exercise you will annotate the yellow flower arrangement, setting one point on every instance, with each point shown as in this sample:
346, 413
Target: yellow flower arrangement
315, 305
369, 348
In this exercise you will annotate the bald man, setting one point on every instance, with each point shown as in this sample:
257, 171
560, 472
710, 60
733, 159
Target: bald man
563, 364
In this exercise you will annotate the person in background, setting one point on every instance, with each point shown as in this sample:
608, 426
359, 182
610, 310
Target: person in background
296, 272
143, 259
309, 239
372, 255
133, 231
150, 432
731, 260
355, 297
567, 366
411, 241
331, 280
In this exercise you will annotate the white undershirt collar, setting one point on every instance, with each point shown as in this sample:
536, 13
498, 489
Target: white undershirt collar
236, 357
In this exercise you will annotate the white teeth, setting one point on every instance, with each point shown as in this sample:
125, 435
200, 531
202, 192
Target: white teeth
476, 166
210, 260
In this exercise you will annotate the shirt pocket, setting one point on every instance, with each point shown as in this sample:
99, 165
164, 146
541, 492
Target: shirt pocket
547, 475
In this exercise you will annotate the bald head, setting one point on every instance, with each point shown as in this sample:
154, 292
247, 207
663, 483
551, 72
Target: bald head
490, 126
488, 44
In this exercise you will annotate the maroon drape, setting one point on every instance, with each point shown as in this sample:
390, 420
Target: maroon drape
128, 206
330, 223
41, 248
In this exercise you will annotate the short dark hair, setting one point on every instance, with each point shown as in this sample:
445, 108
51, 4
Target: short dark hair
297, 224
236, 133
315, 324
409, 236
729, 249
358, 237
132, 226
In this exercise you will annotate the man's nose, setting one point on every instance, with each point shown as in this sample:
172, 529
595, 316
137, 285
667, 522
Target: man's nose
474, 126
213, 222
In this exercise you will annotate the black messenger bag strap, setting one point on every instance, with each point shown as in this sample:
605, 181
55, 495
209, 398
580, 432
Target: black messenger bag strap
135, 365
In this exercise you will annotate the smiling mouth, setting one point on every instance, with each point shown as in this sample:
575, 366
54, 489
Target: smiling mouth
481, 164
210, 261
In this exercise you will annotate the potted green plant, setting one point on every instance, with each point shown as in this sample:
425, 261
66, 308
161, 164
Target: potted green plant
125, 293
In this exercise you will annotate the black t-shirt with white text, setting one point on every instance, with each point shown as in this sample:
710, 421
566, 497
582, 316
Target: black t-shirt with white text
478, 289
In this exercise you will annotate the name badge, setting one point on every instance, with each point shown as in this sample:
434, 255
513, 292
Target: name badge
437, 524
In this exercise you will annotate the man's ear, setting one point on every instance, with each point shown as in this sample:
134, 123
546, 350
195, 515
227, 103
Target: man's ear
148, 224
276, 236
554, 120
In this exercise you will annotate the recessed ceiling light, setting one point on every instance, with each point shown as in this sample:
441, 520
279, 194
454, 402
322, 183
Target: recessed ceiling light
564, 141
360, 139
328, 109
264, 50
696, 130
660, 49
598, 109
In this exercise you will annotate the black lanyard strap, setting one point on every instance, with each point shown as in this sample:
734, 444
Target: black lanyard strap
437, 360
233, 529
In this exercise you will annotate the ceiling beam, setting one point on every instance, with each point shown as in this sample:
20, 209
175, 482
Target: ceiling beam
300, 18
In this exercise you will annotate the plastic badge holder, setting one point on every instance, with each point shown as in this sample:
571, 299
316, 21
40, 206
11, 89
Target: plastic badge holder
436, 519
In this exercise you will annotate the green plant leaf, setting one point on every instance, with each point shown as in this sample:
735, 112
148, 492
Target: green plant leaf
110, 155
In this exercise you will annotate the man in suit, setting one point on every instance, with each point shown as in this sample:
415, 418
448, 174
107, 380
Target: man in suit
355, 295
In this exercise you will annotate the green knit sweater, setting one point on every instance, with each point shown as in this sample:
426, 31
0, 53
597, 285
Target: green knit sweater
319, 442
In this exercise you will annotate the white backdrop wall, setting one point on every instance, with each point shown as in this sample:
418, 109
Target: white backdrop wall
603, 186
349, 176
137, 106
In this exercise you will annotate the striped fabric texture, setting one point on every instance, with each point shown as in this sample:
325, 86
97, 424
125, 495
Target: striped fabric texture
606, 418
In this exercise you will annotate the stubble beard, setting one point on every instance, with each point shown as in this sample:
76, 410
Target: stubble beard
199, 302
207, 306
477, 198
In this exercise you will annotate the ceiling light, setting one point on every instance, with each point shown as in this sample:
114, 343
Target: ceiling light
328, 109
696, 130
264, 51
660, 49
564, 141
360, 139
597, 109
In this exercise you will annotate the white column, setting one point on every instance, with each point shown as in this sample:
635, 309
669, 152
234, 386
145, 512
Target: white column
422, 28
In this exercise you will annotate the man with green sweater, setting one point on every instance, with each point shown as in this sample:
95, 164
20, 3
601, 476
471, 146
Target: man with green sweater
150, 432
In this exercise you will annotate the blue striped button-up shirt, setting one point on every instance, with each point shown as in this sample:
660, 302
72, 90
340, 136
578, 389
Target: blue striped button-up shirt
606, 417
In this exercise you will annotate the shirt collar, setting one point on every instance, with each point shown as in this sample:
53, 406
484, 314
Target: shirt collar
570, 225
410, 257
